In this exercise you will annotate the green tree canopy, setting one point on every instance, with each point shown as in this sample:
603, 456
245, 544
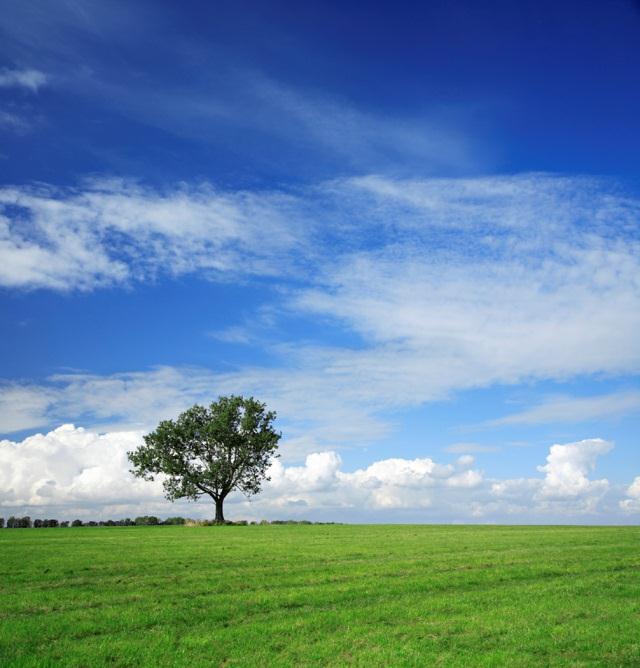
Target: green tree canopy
210, 451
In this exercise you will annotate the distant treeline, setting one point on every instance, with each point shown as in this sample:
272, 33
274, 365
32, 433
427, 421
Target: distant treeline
146, 520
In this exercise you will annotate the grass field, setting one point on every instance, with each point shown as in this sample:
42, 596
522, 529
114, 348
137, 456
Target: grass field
320, 595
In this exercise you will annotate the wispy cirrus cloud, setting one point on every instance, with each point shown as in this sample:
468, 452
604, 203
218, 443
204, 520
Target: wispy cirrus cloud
29, 79
575, 409
211, 94
115, 231
14, 122
443, 285
314, 411
476, 448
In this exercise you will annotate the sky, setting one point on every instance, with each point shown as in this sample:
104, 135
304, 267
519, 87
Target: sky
412, 229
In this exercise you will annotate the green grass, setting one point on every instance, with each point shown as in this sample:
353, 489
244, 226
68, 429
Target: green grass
320, 595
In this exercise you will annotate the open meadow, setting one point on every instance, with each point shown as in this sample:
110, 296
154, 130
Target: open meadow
397, 595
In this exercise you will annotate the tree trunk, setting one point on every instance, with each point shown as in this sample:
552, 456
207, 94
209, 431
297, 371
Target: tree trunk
219, 514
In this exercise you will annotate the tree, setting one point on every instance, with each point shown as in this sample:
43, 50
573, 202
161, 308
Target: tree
210, 450
147, 520
173, 521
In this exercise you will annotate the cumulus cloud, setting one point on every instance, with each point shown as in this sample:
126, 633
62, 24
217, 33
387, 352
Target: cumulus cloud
73, 471
632, 503
30, 79
71, 467
566, 485
567, 468
385, 484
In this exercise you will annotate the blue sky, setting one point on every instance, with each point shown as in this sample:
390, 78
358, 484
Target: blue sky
412, 229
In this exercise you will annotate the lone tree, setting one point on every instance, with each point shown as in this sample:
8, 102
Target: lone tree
210, 450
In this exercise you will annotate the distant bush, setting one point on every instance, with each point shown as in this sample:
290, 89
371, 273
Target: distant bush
143, 520
19, 522
147, 520
45, 524
197, 523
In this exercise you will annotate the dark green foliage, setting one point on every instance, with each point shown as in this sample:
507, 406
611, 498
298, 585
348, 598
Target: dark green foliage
45, 524
210, 450
147, 520
143, 520
19, 522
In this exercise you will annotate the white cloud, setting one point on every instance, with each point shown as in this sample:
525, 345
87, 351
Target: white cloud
136, 400
566, 485
340, 129
461, 448
24, 406
575, 409
470, 283
71, 471
27, 78
483, 281
71, 467
14, 122
115, 231
228, 104
232, 335
632, 503
567, 468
